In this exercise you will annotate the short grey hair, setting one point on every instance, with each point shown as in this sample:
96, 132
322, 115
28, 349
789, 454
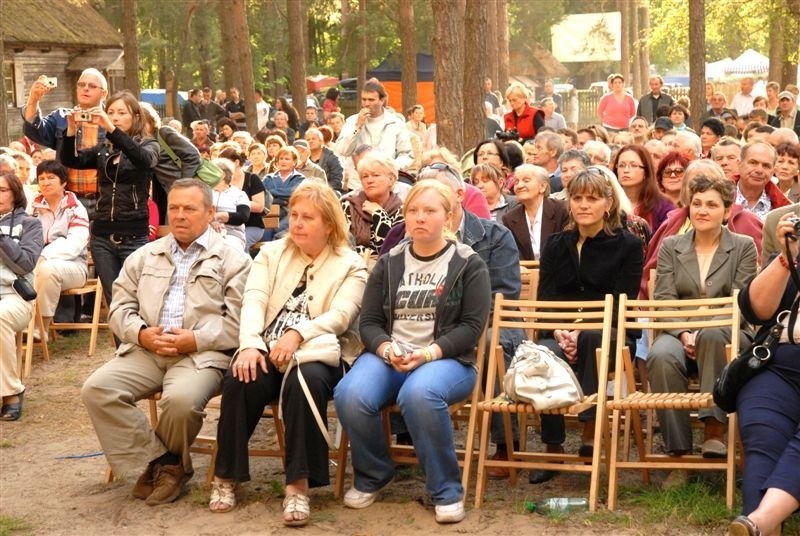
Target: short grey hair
183, 184
693, 140
553, 140
575, 154
595, 144
538, 172
227, 168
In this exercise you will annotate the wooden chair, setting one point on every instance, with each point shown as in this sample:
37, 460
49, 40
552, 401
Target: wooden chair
25, 343
665, 315
533, 316
273, 218
530, 282
207, 444
92, 286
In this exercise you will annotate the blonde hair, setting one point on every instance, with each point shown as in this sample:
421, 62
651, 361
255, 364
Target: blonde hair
384, 162
445, 195
324, 199
517, 89
288, 149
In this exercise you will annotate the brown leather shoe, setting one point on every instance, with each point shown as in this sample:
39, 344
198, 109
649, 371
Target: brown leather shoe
168, 481
498, 473
144, 485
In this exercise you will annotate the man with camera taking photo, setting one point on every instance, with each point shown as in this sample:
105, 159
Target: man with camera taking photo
92, 89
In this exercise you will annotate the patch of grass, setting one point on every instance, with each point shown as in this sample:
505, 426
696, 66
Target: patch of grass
6, 444
198, 494
13, 525
276, 488
695, 503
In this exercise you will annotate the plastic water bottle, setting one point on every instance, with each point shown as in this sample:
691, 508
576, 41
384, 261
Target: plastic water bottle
558, 504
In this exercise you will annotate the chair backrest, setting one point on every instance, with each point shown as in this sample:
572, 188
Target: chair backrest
537, 316
273, 218
530, 283
651, 284
529, 264
666, 315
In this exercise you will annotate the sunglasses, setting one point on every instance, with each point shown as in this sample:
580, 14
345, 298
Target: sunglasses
675, 172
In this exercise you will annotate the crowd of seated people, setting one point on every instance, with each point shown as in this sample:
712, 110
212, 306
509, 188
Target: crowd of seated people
597, 208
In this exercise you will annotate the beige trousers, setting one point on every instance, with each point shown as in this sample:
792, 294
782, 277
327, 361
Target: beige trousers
110, 396
15, 313
54, 276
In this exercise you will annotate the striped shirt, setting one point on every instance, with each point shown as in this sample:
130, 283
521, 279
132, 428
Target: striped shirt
172, 313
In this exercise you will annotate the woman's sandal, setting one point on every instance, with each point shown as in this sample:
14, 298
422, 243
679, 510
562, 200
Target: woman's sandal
223, 497
13, 411
743, 526
296, 510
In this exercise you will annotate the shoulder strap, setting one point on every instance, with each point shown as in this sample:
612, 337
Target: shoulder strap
168, 150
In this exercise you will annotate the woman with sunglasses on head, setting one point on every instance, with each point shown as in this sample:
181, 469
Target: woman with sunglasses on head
125, 164
593, 257
634, 170
670, 176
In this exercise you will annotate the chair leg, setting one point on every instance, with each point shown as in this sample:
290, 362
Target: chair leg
98, 300
483, 455
29, 345
341, 465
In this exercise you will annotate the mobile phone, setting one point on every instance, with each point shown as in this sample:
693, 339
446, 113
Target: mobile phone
50, 81
396, 350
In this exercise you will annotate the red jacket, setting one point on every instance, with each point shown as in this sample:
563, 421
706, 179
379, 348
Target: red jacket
527, 124
741, 221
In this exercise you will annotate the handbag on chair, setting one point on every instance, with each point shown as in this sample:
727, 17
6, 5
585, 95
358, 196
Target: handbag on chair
539, 377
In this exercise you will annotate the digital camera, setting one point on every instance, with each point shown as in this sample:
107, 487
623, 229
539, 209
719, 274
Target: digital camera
795, 220
82, 116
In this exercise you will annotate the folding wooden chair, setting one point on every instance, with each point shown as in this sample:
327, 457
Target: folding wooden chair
92, 286
535, 316
529, 276
665, 315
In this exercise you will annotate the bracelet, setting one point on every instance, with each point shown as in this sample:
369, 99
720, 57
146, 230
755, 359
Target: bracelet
784, 262
428, 354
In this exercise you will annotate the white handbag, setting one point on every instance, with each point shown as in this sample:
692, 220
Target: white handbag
539, 377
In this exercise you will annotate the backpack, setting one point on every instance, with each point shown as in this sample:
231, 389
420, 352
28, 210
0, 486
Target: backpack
208, 172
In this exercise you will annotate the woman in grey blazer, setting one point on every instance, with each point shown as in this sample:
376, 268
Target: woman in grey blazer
709, 261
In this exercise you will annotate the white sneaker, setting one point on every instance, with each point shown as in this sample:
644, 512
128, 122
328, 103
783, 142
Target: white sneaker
450, 513
359, 499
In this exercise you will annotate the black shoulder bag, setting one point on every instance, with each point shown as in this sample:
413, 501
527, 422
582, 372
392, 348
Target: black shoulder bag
754, 358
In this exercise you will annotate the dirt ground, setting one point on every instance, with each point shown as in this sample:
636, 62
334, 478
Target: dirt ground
51, 482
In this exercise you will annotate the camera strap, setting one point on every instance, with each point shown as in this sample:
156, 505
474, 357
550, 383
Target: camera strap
796, 280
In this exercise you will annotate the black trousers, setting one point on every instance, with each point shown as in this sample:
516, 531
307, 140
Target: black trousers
242, 407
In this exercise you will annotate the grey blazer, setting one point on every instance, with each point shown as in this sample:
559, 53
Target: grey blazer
678, 272
770, 244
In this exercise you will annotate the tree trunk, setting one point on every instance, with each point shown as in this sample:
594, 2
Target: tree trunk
296, 18
644, 48
130, 44
408, 49
697, 61
362, 46
503, 71
3, 104
491, 42
791, 42
230, 60
448, 72
182, 56
248, 88
776, 29
625, 40
344, 38
636, 69
475, 21
201, 33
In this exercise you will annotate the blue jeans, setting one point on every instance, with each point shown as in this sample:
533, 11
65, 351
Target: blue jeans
109, 257
423, 396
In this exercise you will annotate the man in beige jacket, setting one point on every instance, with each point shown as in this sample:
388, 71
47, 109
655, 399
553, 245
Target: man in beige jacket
175, 307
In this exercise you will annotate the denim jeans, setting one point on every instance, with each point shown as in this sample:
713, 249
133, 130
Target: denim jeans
109, 257
423, 396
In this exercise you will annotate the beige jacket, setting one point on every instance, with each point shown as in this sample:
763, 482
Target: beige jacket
335, 284
213, 297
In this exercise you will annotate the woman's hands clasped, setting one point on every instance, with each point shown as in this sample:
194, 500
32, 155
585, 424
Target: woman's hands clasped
281, 352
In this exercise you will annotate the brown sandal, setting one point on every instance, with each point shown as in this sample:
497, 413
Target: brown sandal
743, 526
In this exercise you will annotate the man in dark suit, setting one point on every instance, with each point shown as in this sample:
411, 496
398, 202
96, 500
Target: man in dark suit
787, 116
650, 103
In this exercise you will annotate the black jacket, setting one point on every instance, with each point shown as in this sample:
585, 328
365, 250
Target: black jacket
123, 188
775, 121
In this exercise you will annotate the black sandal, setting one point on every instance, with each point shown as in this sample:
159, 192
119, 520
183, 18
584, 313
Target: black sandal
13, 411
743, 526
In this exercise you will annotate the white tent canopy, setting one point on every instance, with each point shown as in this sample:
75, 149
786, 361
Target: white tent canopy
717, 69
750, 62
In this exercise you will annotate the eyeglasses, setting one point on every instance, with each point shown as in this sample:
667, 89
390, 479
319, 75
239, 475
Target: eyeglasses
83, 85
487, 153
629, 165
674, 172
